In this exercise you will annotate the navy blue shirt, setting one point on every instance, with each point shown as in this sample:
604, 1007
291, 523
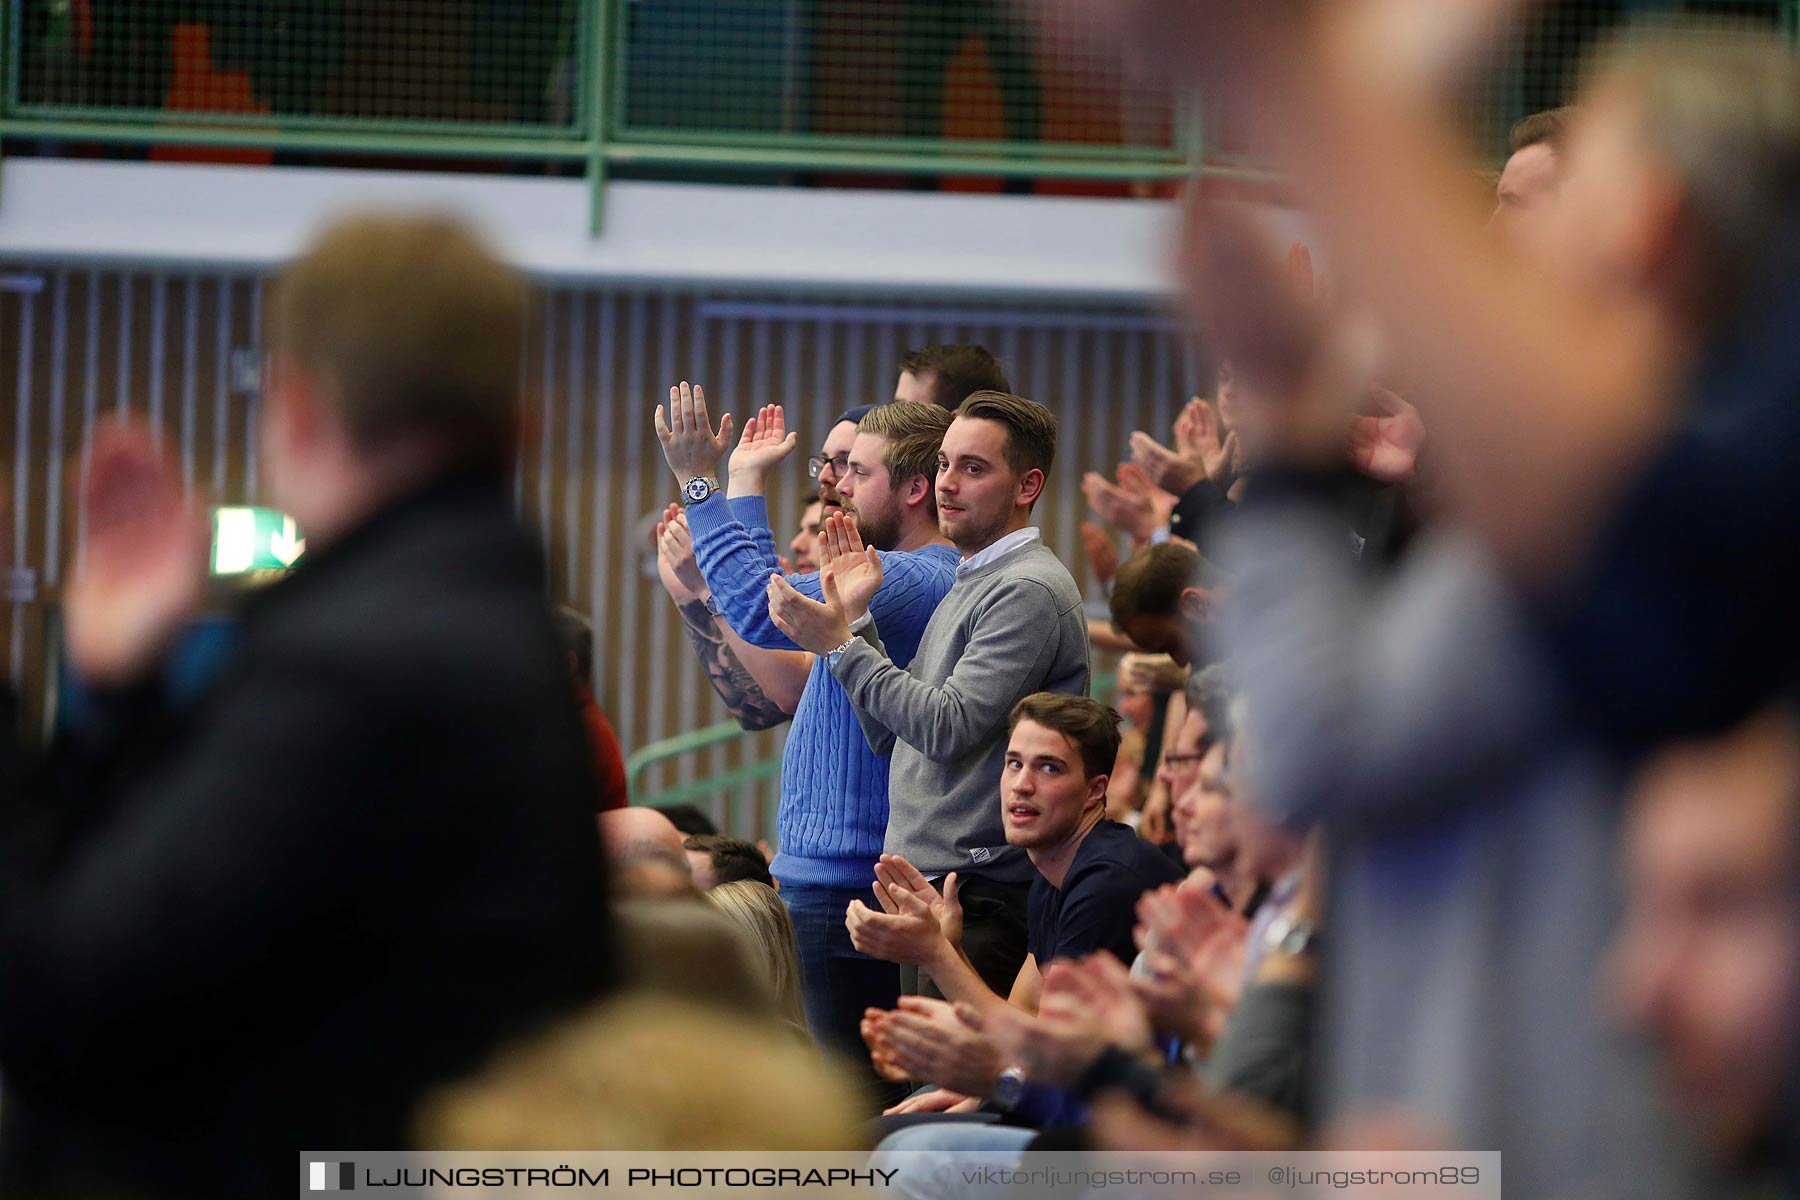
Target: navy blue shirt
1683, 619
1097, 904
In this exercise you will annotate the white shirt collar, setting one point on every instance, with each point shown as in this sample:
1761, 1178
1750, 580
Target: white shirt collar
1005, 545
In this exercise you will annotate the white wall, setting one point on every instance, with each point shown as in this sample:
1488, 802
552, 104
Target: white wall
911, 243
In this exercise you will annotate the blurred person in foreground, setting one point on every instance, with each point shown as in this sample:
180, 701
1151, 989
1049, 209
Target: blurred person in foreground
647, 1073
374, 843
1693, 231
1424, 722
1707, 964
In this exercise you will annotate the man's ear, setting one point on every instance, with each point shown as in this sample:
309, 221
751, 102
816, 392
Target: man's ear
1031, 486
1195, 605
919, 489
1097, 790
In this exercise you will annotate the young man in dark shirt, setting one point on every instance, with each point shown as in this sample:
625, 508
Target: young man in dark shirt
1091, 871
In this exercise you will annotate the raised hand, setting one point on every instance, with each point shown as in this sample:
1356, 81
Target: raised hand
1198, 435
675, 561
855, 569
1386, 447
1164, 467
766, 442
813, 626
143, 559
1125, 509
689, 444
1160, 501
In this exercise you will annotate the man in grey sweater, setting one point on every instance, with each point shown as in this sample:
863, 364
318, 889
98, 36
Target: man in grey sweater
1011, 625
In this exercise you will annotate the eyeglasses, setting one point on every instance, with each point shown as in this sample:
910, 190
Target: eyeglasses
1177, 761
839, 463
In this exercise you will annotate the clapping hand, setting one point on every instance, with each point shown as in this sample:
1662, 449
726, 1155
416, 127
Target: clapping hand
142, 563
675, 562
855, 569
1386, 447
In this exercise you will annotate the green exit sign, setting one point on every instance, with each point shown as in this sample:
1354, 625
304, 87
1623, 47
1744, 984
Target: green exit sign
254, 539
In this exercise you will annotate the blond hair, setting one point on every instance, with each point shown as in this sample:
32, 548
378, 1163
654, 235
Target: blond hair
412, 326
649, 1072
1719, 102
762, 921
914, 435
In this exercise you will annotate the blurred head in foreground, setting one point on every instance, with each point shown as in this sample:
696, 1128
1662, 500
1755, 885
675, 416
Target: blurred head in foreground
394, 345
1707, 965
650, 1072
1681, 167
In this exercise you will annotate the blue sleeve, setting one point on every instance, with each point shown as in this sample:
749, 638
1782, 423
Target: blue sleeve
1683, 622
1041, 1106
737, 569
753, 513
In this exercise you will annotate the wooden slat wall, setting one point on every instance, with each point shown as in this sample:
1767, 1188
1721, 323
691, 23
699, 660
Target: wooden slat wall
83, 342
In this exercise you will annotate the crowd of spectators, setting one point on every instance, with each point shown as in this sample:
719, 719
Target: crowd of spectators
1451, 774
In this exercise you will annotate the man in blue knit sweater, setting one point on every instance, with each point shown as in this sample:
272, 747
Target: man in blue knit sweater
1013, 625
834, 787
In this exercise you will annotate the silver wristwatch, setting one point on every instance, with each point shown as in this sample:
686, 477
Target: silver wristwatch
699, 488
1292, 937
1009, 1088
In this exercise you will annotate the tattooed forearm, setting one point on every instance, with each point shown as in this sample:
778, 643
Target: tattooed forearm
730, 678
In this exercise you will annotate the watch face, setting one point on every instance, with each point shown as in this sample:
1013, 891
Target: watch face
697, 490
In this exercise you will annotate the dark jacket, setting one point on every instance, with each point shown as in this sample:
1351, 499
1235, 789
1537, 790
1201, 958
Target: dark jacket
363, 863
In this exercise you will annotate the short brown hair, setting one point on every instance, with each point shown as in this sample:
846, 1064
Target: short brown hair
1091, 725
1150, 582
1547, 128
415, 327
1030, 428
915, 434
961, 371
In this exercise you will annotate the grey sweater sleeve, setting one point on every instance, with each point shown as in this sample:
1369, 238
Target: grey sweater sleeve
879, 736
1263, 1052
1014, 638
1366, 697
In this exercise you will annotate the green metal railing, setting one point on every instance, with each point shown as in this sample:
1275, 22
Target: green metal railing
725, 87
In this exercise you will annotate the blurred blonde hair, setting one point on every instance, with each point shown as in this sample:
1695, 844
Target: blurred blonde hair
762, 919
1719, 102
649, 1072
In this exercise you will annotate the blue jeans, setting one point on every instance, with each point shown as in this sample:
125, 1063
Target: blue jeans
839, 981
